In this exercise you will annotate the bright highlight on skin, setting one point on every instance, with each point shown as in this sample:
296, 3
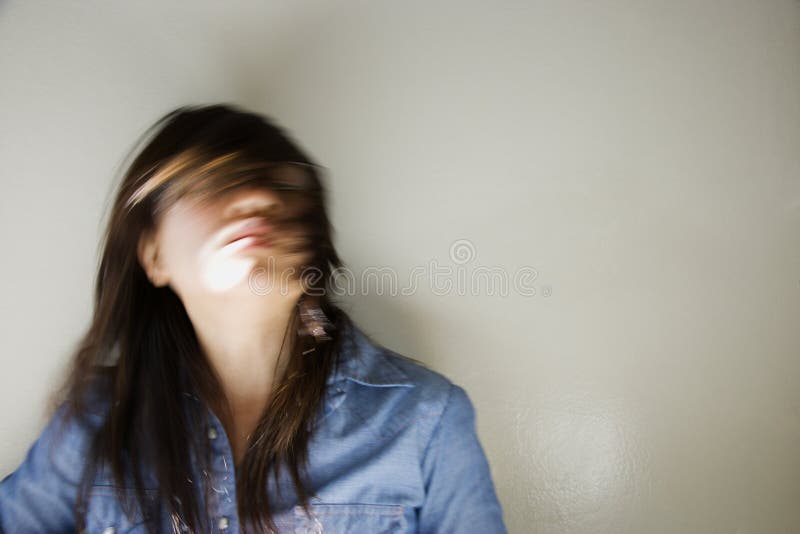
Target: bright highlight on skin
227, 268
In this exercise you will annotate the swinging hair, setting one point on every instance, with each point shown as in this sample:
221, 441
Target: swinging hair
140, 353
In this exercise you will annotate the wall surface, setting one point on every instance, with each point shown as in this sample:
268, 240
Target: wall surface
629, 172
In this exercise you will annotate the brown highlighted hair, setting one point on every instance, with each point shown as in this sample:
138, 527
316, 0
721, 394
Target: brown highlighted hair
140, 352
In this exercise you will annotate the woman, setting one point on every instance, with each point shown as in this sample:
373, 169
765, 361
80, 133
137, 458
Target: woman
218, 387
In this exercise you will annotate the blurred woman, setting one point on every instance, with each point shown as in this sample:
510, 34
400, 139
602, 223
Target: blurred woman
219, 388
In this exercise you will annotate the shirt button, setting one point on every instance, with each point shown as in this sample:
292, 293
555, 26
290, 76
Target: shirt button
223, 523
212, 433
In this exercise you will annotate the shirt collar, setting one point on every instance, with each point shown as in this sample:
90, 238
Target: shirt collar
361, 360
364, 361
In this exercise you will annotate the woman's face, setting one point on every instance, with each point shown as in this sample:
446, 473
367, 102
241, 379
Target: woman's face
247, 240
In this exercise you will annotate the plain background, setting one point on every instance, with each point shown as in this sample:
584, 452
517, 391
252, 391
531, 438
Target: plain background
643, 157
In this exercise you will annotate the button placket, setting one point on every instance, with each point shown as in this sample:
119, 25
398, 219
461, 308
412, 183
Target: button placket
220, 478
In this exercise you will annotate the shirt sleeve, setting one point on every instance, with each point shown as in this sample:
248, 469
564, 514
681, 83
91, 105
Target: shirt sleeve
39, 496
460, 494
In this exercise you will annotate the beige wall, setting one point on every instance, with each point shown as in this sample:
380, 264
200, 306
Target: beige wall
642, 157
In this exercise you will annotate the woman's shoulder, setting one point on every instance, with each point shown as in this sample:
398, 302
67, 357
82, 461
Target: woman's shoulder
73, 422
38, 496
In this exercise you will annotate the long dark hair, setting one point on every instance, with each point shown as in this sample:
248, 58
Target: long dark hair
141, 352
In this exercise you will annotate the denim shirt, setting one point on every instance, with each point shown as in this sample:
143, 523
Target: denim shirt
394, 450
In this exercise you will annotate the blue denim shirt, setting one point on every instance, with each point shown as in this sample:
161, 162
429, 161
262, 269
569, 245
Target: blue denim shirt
395, 450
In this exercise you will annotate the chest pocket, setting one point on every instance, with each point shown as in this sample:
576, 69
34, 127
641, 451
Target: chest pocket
328, 518
105, 514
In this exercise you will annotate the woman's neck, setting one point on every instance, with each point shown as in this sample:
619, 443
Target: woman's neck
248, 343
